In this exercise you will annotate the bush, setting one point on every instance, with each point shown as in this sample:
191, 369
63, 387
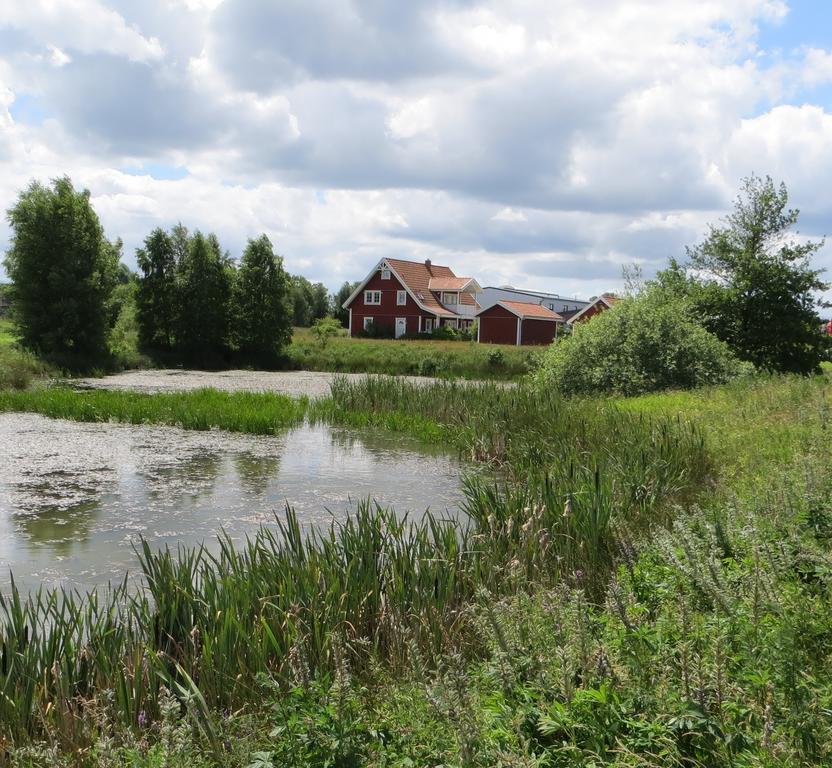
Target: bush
377, 331
496, 358
643, 344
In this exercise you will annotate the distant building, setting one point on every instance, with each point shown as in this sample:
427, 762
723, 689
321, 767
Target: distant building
562, 305
517, 322
600, 304
410, 297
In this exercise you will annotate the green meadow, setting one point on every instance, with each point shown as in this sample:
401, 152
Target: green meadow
647, 584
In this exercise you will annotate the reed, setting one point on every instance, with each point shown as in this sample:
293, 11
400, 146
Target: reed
251, 412
374, 586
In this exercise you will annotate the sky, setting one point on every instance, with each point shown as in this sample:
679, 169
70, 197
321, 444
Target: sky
536, 143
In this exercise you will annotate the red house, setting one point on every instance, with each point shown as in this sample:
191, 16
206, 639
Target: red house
412, 297
517, 322
601, 304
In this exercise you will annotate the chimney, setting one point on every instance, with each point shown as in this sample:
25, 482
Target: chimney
427, 265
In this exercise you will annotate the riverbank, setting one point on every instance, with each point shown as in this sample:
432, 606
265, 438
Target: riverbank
645, 592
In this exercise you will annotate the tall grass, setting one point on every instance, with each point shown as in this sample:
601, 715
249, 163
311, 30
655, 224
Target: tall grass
462, 359
374, 587
251, 412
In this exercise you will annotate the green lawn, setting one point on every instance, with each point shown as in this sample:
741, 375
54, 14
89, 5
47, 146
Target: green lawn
464, 359
7, 335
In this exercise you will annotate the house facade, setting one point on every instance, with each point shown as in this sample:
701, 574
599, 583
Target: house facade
517, 322
411, 297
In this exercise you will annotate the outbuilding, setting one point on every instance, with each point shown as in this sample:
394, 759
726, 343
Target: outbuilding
517, 322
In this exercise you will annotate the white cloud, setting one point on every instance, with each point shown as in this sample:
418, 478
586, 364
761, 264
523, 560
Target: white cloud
86, 26
539, 141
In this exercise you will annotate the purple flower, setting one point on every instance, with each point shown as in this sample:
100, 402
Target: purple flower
142, 719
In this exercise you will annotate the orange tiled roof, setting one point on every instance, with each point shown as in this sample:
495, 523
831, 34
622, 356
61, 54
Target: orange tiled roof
417, 276
448, 283
531, 311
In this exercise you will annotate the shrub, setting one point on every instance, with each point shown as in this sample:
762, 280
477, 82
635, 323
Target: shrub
428, 366
496, 358
324, 328
377, 331
644, 343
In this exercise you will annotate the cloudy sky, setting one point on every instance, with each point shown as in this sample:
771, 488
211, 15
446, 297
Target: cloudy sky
542, 143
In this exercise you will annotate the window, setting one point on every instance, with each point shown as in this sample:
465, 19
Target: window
372, 297
401, 298
449, 298
552, 307
428, 325
385, 273
368, 322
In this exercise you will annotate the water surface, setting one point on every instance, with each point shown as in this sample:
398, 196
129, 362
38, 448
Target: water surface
75, 497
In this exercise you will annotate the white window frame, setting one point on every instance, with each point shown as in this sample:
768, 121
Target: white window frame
450, 297
428, 325
401, 298
385, 273
368, 321
370, 296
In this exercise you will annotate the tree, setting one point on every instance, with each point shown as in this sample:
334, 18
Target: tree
338, 299
64, 271
755, 287
156, 298
204, 293
309, 302
646, 342
262, 313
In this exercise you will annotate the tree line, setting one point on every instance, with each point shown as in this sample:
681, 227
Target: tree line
75, 301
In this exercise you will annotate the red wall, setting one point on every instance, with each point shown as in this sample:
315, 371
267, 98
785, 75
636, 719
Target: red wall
498, 326
595, 309
537, 332
386, 312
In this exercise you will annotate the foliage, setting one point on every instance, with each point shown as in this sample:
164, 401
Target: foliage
64, 271
309, 301
157, 302
756, 288
262, 313
125, 334
643, 343
338, 299
202, 324
324, 329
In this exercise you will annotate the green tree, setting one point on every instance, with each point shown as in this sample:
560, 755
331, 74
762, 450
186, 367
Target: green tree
646, 342
64, 271
157, 296
262, 313
755, 287
338, 299
309, 301
204, 293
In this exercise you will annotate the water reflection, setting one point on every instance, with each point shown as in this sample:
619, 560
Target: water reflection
74, 498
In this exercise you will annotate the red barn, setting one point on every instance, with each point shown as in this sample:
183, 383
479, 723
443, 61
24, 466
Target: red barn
601, 304
412, 297
516, 322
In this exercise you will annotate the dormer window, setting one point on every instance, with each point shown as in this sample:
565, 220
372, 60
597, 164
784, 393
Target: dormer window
385, 273
450, 298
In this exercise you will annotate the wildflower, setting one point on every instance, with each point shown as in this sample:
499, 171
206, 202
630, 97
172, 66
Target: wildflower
142, 719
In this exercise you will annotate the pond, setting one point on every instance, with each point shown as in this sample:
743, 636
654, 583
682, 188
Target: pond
76, 497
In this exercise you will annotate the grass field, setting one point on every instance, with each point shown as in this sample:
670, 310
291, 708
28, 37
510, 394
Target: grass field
17, 368
652, 587
427, 358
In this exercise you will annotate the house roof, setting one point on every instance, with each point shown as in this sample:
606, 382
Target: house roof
526, 311
417, 275
536, 294
608, 300
452, 283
